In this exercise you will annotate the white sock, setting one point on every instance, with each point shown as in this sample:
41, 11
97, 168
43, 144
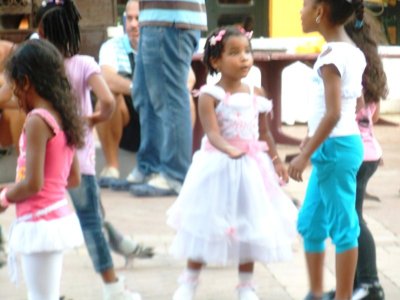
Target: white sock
114, 287
190, 275
245, 278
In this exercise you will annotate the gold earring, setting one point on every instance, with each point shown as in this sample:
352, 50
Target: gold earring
318, 19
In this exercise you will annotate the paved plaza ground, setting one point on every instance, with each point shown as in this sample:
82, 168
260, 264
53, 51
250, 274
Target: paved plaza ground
155, 279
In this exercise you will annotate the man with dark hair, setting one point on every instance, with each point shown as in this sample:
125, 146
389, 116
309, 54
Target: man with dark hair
117, 61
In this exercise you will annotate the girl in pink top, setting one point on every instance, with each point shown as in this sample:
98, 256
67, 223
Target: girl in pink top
46, 166
59, 25
366, 283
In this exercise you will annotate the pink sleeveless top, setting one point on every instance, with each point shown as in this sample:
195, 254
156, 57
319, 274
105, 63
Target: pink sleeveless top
57, 165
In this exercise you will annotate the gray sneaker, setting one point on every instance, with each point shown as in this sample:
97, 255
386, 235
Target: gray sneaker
310, 296
108, 175
3, 255
157, 186
135, 177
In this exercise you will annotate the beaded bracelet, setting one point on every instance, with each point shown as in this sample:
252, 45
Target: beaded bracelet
4, 203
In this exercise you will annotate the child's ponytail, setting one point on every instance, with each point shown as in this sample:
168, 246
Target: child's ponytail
60, 25
365, 31
71, 10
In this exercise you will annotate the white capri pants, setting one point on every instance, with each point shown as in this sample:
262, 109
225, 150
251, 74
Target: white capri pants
42, 274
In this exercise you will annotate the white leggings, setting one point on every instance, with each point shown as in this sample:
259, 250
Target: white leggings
42, 274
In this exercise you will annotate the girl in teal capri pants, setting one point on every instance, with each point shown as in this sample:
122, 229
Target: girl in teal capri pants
333, 144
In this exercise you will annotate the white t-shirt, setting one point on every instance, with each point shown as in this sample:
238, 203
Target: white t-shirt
350, 62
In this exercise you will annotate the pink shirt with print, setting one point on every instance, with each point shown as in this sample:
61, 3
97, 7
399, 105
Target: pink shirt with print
372, 149
79, 68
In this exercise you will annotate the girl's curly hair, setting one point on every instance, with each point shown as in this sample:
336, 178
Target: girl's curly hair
374, 79
42, 64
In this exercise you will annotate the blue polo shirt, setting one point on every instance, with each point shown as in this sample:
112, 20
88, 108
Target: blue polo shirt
115, 52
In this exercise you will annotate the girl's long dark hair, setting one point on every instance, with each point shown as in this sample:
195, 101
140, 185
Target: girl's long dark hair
42, 64
363, 30
366, 38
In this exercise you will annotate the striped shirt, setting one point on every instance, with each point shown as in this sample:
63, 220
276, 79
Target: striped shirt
115, 53
184, 14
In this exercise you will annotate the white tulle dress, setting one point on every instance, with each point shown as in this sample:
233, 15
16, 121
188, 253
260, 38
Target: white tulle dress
232, 211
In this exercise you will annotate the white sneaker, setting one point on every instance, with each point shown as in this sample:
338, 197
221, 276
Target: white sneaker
368, 291
185, 291
247, 293
109, 172
137, 177
161, 182
360, 293
117, 291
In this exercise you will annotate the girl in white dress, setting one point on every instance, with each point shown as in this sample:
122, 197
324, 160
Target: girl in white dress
231, 209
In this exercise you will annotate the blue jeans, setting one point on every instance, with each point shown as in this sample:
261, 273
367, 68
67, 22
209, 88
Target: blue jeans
86, 200
161, 98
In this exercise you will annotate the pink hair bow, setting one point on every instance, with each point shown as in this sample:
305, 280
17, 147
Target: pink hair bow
217, 38
248, 34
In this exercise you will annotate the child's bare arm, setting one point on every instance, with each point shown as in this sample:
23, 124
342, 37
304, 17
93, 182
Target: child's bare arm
32, 177
265, 135
74, 178
332, 86
104, 97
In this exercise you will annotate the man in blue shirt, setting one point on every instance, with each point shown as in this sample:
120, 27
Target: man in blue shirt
117, 60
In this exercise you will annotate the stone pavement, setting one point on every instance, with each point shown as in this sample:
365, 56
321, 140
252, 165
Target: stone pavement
155, 279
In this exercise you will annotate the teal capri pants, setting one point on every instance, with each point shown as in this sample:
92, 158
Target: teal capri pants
329, 208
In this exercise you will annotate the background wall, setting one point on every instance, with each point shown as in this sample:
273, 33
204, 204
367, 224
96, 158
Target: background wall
284, 18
